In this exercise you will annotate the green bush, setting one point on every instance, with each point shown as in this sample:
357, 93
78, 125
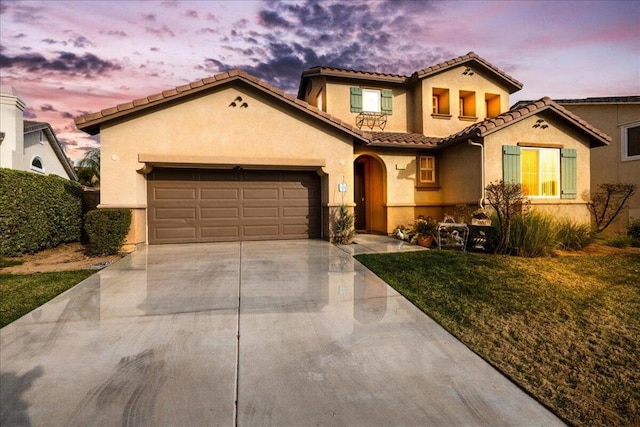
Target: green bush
532, 235
37, 212
343, 231
107, 229
633, 231
572, 235
619, 241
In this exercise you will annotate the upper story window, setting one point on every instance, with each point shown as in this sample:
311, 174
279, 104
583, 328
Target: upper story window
37, 165
427, 173
467, 104
491, 105
440, 102
631, 142
371, 100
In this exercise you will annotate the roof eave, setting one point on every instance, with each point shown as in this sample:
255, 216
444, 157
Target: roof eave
93, 126
60, 154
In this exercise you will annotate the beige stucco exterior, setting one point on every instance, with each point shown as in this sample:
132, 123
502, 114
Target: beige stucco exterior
206, 131
608, 164
456, 81
556, 135
227, 121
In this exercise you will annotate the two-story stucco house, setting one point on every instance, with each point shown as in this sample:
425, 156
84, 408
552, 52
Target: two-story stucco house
233, 158
28, 145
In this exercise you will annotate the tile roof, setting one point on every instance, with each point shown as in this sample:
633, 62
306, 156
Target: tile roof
31, 126
91, 122
356, 74
513, 84
401, 139
634, 99
602, 100
516, 114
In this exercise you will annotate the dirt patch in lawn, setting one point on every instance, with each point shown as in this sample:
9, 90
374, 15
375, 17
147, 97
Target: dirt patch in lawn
598, 248
66, 257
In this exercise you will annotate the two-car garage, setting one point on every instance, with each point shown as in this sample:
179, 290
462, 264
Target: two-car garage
208, 205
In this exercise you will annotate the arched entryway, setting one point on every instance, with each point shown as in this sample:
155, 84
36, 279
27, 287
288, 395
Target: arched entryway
369, 192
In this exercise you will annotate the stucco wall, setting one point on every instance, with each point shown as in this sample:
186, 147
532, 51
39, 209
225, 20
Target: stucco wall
34, 147
338, 104
607, 165
207, 130
556, 134
455, 81
11, 123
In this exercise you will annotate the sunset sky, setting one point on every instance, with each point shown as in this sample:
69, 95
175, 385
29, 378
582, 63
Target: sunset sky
69, 58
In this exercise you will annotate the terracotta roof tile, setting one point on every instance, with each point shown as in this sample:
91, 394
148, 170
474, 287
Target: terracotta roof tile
493, 124
141, 101
155, 97
91, 122
344, 72
514, 84
402, 139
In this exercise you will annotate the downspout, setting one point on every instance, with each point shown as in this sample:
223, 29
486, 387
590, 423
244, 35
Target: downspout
481, 145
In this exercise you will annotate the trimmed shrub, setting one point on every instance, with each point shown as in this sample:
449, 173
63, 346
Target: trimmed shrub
37, 211
533, 235
572, 235
622, 242
633, 231
107, 229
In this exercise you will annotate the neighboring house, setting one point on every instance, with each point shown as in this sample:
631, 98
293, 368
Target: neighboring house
27, 145
618, 116
233, 158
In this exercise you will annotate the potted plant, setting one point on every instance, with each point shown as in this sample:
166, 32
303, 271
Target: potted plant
425, 231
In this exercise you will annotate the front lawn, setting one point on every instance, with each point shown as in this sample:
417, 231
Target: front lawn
565, 329
22, 293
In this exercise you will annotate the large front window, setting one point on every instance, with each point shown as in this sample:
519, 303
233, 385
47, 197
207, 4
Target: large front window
541, 172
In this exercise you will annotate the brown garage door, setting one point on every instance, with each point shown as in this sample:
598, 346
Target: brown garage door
200, 205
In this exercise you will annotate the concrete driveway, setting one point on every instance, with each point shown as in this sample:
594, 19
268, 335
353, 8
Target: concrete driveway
297, 333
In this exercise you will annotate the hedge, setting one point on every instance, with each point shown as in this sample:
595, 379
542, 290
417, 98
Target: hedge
106, 230
37, 211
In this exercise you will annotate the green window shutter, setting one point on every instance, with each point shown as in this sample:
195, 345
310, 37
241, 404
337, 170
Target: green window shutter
387, 101
356, 99
511, 164
568, 173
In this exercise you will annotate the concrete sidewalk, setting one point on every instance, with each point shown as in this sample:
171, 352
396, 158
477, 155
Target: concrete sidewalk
153, 340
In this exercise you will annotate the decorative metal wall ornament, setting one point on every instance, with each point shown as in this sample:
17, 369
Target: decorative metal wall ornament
371, 120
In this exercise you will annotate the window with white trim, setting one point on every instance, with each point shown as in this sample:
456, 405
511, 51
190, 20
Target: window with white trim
630, 140
37, 165
540, 172
370, 100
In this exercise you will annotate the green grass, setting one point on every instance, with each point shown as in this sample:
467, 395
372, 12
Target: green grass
565, 329
21, 293
7, 262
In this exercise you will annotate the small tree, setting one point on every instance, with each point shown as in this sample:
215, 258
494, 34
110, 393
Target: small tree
343, 231
608, 201
507, 200
89, 168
